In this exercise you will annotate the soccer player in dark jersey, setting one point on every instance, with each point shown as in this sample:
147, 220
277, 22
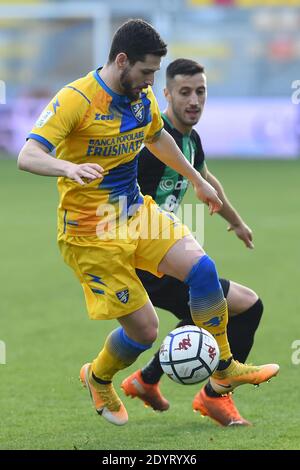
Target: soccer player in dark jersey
186, 94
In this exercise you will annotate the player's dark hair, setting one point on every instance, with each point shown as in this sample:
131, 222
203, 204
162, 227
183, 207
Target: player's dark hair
183, 67
136, 38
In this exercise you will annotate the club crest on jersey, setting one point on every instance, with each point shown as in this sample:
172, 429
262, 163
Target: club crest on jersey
138, 111
123, 295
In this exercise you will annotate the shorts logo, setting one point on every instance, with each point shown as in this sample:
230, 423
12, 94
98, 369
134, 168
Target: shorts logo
44, 117
138, 111
123, 295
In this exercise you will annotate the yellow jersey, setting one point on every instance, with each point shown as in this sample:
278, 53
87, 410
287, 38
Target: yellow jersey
88, 122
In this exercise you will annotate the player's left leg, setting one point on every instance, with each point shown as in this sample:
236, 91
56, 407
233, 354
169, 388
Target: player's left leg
172, 295
186, 261
245, 310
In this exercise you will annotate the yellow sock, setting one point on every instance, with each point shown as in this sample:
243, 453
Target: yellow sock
215, 321
119, 352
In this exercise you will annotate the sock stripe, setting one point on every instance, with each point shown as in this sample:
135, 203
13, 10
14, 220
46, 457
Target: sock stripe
132, 343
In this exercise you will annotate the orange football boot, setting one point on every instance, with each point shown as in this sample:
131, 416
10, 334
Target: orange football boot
150, 394
104, 397
221, 409
224, 381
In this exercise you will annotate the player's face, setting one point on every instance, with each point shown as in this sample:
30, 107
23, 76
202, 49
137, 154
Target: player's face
138, 76
186, 97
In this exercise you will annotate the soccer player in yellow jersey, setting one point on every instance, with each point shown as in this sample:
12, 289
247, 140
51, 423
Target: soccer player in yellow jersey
107, 228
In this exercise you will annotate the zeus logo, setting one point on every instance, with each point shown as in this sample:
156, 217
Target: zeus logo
104, 117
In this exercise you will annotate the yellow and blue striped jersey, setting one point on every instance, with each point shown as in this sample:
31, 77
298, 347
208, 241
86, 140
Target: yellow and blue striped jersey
88, 122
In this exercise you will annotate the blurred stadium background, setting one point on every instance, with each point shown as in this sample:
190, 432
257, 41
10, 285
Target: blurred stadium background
251, 55
251, 51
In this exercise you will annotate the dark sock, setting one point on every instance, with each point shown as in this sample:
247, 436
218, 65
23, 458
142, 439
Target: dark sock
152, 372
100, 381
241, 330
210, 391
224, 364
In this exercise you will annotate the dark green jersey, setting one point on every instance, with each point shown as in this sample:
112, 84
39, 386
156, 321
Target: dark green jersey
165, 185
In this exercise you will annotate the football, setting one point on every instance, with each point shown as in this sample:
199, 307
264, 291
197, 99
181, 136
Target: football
189, 354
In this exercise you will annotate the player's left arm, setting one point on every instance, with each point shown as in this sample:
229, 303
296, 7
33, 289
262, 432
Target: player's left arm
228, 212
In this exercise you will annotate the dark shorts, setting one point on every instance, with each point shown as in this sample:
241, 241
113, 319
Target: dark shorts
170, 294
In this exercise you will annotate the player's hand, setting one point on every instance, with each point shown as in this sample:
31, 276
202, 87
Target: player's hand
206, 193
243, 232
88, 171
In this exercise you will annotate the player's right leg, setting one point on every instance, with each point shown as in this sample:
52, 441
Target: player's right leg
112, 291
172, 295
122, 347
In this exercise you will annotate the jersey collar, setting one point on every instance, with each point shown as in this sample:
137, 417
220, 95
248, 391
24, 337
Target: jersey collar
115, 96
167, 120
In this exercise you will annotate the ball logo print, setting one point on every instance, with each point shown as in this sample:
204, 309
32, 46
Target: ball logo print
189, 355
211, 351
184, 344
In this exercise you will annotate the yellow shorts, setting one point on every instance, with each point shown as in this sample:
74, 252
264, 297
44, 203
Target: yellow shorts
106, 267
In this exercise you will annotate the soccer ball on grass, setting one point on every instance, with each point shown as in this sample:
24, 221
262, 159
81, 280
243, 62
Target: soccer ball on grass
189, 355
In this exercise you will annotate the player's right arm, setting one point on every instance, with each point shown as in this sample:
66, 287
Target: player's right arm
34, 157
62, 116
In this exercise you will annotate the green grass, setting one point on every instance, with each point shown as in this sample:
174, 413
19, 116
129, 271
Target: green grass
48, 335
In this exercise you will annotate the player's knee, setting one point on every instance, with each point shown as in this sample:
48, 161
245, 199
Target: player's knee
148, 335
148, 331
251, 298
203, 272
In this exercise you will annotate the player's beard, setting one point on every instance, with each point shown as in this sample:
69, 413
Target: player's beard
185, 121
126, 84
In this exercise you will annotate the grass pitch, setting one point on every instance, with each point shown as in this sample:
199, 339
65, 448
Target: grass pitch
48, 335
